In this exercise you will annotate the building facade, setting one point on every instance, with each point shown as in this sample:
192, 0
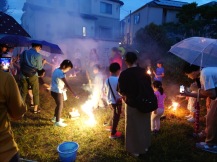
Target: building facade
65, 21
156, 11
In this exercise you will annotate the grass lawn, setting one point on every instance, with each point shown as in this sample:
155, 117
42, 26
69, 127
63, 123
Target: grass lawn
38, 139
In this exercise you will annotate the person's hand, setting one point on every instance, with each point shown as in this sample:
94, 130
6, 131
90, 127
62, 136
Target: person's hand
193, 87
44, 61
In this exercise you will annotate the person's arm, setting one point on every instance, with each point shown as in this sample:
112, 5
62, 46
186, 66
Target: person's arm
67, 85
203, 94
46, 85
16, 106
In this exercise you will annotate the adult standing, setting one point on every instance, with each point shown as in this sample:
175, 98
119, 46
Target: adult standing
11, 104
137, 124
31, 61
208, 79
116, 56
3, 49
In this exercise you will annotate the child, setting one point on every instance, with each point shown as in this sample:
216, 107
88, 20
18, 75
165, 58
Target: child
97, 87
155, 116
114, 99
159, 73
191, 103
58, 84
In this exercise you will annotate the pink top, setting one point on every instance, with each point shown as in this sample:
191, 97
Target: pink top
160, 99
116, 58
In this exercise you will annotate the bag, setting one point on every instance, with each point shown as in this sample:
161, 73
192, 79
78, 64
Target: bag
27, 70
146, 99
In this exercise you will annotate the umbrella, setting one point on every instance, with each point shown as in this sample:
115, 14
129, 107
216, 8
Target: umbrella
8, 25
47, 46
21, 41
197, 50
14, 40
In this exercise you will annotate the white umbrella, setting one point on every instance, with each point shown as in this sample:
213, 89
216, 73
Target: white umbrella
197, 50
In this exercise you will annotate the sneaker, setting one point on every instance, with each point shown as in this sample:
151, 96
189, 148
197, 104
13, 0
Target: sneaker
108, 128
54, 120
192, 120
188, 116
37, 111
116, 135
60, 124
32, 105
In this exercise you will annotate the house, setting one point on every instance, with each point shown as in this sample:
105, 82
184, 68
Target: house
74, 23
155, 11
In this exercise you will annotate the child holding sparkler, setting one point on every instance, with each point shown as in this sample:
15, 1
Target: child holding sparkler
58, 84
114, 99
155, 116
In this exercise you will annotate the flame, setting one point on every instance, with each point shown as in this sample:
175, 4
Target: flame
149, 72
74, 113
88, 107
174, 106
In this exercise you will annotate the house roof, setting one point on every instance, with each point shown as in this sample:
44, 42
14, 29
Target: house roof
212, 3
169, 4
118, 1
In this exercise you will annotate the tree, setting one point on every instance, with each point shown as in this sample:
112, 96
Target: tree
208, 12
187, 13
4, 6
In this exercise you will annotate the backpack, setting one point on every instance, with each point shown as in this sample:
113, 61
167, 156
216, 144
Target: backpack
26, 70
146, 100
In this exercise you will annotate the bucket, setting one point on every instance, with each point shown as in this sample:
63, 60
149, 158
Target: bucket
67, 151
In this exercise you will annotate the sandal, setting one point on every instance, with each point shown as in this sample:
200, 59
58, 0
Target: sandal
204, 146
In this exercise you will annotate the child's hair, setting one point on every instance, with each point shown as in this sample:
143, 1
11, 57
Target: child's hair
65, 64
114, 67
157, 84
41, 72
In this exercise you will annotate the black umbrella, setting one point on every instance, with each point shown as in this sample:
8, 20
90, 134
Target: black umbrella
8, 25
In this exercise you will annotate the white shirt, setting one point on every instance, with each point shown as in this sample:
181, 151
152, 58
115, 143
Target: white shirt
57, 85
208, 78
113, 80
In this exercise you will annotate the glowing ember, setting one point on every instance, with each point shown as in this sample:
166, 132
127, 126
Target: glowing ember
174, 106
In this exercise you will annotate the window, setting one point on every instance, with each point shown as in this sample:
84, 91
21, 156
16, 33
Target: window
105, 32
84, 31
105, 8
136, 19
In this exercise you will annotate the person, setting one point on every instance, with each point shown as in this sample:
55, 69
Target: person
31, 61
116, 56
58, 84
159, 73
93, 60
208, 79
41, 74
114, 99
3, 49
11, 104
137, 124
156, 115
97, 86
191, 103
